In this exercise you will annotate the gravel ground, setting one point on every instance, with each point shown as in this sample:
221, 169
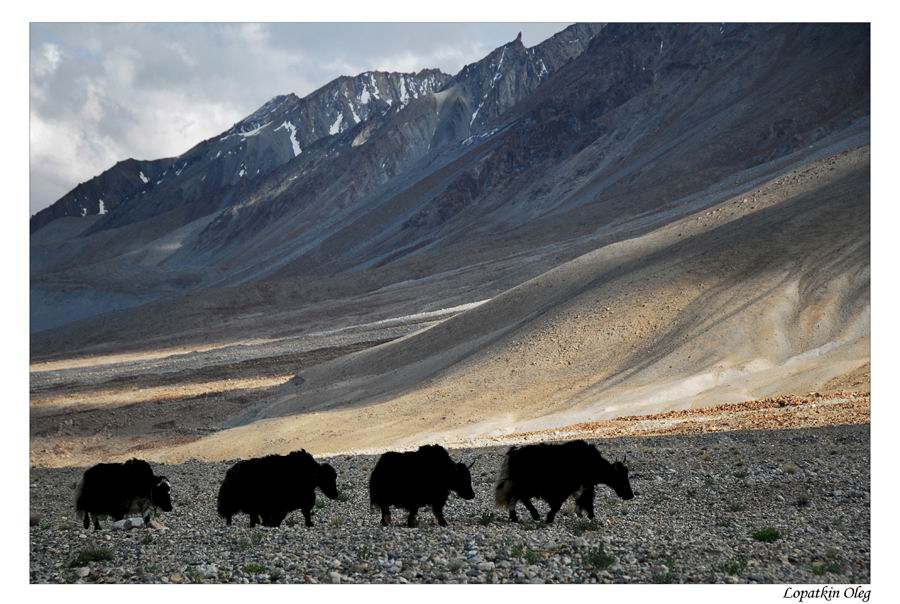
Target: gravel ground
699, 499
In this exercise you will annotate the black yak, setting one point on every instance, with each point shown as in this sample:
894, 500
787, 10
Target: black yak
120, 489
417, 479
271, 487
554, 472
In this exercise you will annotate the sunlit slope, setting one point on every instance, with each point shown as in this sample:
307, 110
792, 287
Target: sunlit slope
767, 292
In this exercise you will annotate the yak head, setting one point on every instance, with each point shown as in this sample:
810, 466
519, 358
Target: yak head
616, 477
161, 494
326, 480
462, 481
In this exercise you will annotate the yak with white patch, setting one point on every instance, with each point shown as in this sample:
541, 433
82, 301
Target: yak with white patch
269, 488
120, 489
555, 472
416, 479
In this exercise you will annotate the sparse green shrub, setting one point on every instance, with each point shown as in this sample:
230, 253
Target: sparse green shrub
829, 566
532, 556
91, 554
343, 497
582, 526
767, 534
597, 558
802, 501
517, 551
257, 537
733, 567
666, 576
149, 569
487, 518
147, 539
736, 506
253, 568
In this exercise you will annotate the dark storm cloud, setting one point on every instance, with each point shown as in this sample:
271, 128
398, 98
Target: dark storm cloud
104, 92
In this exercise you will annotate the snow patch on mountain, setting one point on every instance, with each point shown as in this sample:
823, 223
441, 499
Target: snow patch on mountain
247, 133
292, 132
497, 76
336, 126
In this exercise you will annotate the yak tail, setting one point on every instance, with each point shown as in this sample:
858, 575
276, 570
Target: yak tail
374, 492
503, 490
79, 507
227, 503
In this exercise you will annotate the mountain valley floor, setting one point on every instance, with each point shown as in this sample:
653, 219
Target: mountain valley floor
750, 506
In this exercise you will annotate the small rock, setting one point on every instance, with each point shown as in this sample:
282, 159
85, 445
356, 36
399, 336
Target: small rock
208, 571
82, 571
334, 576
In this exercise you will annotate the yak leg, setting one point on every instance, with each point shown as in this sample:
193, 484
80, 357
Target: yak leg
438, 511
228, 520
96, 520
385, 515
307, 516
513, 516
531, 509
254, 519
278, 518
511, 506
585, 502
87, 520
554, 508
589, 508
411, 519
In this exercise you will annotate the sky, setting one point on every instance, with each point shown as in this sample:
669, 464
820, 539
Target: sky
104, 92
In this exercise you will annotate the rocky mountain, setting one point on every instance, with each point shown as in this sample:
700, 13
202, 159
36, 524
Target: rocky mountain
102, 193
272, 135
375, 180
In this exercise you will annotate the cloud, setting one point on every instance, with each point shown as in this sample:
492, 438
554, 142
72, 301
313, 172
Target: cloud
103, 92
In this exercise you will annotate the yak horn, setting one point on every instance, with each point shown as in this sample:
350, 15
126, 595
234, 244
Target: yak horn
625, 458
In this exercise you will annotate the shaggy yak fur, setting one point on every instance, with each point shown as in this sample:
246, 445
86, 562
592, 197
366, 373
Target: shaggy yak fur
271, 487
555, 472
120, 489
417, 479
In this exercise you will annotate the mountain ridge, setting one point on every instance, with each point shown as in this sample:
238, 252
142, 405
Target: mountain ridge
603, 139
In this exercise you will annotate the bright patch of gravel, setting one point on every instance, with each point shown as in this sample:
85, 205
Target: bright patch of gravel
699, 500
